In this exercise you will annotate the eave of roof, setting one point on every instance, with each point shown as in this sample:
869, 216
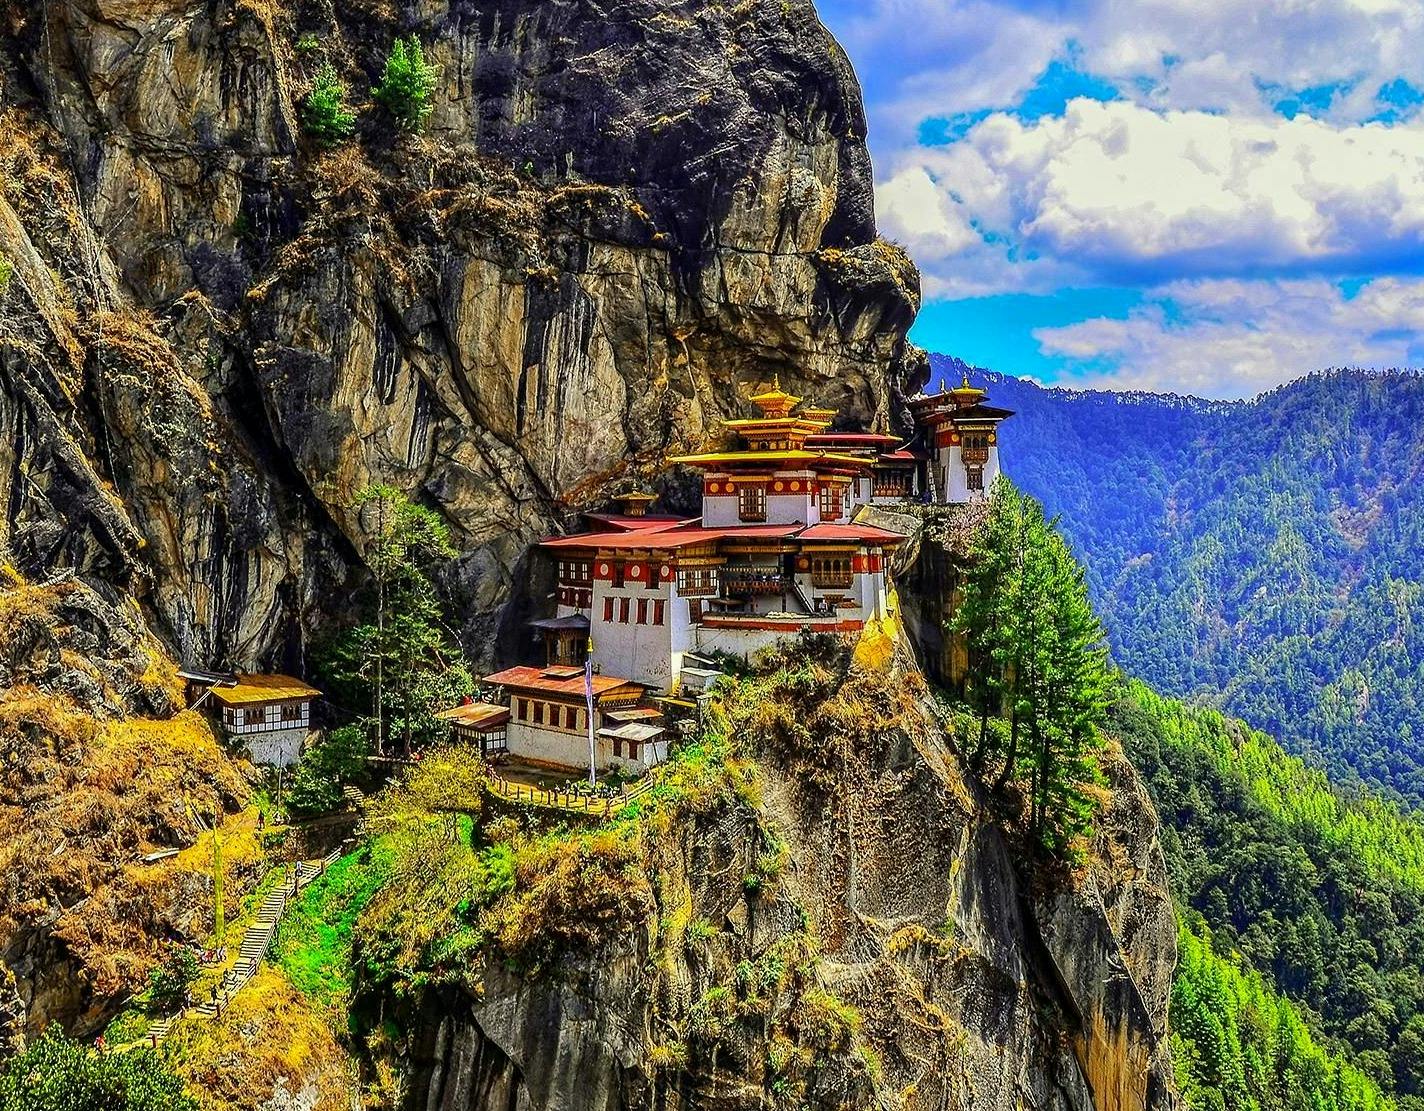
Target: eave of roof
667, 539
477, 715
867, 533
793, 456
829, 438
534, 679
251, 689
623, 522
673, 539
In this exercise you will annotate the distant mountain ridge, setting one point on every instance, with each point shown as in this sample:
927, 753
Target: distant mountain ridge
1262, 556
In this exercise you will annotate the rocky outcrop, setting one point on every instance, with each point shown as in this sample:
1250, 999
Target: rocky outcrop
980, 979
214, 334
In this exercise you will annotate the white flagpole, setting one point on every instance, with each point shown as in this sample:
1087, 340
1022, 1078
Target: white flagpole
588, 697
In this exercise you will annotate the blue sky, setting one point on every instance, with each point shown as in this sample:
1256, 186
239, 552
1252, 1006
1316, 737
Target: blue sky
1205, 196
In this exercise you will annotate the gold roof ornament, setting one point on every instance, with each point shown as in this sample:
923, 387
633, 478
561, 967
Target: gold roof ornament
966, 395
775, 402
635, 502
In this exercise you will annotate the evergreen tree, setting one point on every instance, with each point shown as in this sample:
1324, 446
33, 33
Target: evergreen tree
401, 662
1036, 655
408, 84
57, 1074
325, 115
327, 767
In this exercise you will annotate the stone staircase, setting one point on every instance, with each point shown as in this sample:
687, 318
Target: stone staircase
256, 943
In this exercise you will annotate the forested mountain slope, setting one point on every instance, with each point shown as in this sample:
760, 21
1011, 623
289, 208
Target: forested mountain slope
1263, 556
1320, 893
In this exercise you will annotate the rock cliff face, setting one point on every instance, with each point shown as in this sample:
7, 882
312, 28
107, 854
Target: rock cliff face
213, 334
979, 982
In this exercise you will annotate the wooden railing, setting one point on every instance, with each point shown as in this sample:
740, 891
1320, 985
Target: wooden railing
576, 801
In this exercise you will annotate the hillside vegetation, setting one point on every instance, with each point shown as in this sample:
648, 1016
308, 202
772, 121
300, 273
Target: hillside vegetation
1323, 894
1263, 557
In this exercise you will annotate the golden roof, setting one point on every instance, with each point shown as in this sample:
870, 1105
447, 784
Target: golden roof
965, 394
794, 455
775, 402
251, 689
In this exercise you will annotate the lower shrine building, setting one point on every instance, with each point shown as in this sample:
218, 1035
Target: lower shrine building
541, 716
270, 715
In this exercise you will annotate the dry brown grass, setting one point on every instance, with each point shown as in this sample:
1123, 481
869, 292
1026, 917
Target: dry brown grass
86, 793
270, 1037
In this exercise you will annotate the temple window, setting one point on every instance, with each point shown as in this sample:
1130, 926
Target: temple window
696, 580
608, 609
975, 479
623, 611
831, 572
751, 503
659, 611
892, 484
642, 611
830, 502
291, 711
618, 569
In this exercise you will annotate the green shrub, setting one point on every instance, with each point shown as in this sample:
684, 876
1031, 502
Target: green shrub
325, 115
171, 979
407, 85
7, 271
57, 1074
327, 767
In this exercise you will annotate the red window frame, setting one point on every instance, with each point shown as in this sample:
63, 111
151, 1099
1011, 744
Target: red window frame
659, 611
642, 611
623, 611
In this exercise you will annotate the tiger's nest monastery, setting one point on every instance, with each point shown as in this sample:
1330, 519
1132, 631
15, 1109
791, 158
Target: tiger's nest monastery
781, 546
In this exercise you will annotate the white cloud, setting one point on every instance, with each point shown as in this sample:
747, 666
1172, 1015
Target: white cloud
922, 59
1118, 192
1237, 338
1210, 53
928, 58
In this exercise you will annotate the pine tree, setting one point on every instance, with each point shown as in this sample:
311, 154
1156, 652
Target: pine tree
402, 658
407, 85
325, 115
1036, 655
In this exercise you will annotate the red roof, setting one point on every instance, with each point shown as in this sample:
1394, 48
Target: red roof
867, 533
652, 522
671, 538
480, 716
901, 456
539, 679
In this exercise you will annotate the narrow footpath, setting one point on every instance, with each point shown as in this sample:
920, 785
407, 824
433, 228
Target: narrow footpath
256, 943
